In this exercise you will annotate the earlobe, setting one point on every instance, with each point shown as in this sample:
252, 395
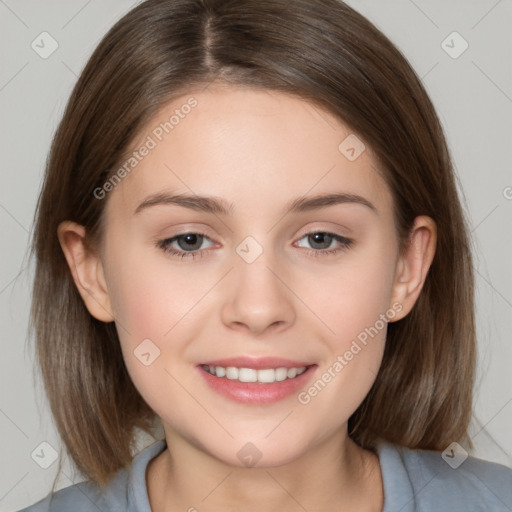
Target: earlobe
87, 270
413, 265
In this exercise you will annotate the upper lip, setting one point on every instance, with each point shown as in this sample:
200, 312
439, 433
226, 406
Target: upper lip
257, 362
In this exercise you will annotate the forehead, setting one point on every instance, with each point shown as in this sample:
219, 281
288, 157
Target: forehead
253, 147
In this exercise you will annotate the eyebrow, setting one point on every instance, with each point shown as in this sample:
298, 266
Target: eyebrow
215, 205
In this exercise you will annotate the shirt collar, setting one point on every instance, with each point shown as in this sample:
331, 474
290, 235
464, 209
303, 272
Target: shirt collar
398, 490
138, 499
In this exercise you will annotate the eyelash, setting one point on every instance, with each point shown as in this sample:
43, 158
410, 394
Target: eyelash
164, 245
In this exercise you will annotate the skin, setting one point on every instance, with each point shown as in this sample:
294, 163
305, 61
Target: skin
258, 150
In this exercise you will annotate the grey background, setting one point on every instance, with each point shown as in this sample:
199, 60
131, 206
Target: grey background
473, 97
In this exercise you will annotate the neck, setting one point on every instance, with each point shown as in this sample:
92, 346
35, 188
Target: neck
336, 474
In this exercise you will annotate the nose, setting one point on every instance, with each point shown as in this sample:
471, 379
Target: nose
257, 298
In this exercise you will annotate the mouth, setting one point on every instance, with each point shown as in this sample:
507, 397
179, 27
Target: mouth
256, 381
263, 376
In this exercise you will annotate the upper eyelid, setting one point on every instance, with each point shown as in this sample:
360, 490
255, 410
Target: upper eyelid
206, 235
205, 231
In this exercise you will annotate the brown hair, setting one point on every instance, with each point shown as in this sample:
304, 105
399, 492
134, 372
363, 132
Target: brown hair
322, 51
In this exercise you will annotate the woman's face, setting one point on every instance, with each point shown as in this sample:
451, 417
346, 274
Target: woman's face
250, 287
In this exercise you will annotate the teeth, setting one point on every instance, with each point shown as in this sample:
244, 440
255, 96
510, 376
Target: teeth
247, 375
266, 376
281, 374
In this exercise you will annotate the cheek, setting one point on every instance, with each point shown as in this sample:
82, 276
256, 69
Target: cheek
150, 300
352, 303
150, 318
156, 310
141, 306
352, 297
144, 307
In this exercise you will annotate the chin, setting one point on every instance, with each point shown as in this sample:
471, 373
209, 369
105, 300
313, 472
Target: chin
258, 452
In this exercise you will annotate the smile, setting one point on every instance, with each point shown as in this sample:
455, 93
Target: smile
264, 376
253, 381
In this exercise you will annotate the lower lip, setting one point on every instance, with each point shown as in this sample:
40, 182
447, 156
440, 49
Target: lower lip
256, 392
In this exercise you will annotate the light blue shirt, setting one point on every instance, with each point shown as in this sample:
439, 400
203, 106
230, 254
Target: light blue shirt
414, 481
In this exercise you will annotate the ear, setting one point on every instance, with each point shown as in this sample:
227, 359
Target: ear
413, 265
86, 269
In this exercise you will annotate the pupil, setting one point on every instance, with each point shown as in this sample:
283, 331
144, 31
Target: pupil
190, 238
324, 238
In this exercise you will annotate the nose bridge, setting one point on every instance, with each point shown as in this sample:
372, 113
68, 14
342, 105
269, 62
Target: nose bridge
257, 297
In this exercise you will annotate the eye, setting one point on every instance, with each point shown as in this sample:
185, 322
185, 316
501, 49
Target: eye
189, 243
322, 240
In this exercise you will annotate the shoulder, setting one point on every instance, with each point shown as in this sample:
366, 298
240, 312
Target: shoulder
87, 497
82, 497
126, 491
427, 480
